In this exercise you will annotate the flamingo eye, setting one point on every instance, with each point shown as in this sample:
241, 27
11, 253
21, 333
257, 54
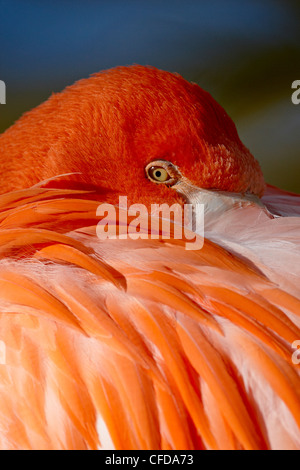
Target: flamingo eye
158, 174
162, 171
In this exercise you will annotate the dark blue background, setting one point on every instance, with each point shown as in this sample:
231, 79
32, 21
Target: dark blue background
246, 53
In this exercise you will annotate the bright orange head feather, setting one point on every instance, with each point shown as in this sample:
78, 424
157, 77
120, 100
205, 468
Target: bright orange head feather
110, 126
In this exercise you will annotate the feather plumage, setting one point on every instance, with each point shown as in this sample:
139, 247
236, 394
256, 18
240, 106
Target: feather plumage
138, 343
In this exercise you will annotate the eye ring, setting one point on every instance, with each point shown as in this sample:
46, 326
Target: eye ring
162, 172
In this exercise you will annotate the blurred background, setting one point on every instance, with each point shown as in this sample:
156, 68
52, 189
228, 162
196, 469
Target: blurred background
246, 54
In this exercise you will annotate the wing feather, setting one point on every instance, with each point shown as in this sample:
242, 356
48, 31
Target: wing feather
138, 344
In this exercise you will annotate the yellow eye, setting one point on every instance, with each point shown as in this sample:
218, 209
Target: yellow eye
159, 174
163, 172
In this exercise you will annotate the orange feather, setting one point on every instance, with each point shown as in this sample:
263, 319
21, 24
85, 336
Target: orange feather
81, 350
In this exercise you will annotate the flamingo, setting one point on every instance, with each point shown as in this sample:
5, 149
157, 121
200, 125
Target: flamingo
121, 343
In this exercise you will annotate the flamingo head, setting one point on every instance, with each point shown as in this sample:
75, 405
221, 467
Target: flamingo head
136, 131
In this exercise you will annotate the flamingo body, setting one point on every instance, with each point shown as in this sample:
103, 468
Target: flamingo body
141, 344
